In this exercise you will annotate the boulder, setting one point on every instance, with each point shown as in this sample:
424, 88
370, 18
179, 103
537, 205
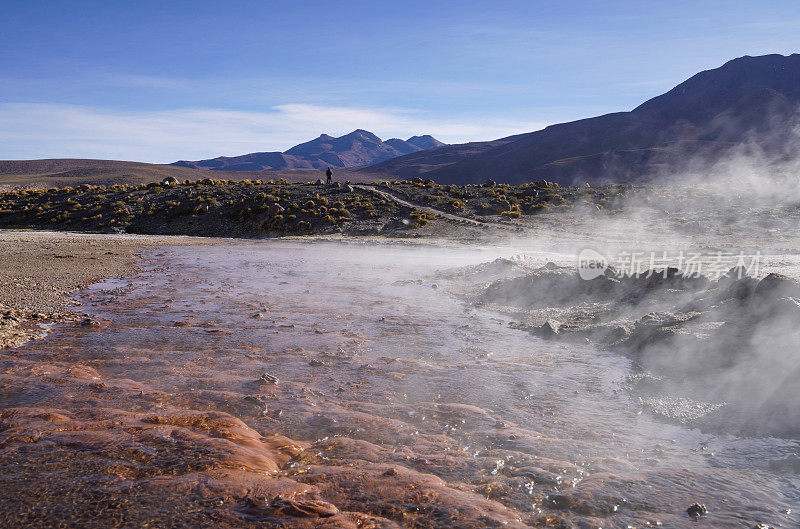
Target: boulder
740, 289
734, 274
549, 329
275, 209
775, 286
675, 279
696, 510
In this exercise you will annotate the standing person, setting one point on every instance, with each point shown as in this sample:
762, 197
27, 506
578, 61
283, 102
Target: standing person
329, 174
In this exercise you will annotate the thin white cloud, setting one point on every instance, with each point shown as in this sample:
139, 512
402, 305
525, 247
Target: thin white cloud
147, 81
34, 130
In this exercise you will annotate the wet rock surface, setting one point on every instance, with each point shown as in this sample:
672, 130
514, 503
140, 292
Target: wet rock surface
424, 411
696, 510
729, 347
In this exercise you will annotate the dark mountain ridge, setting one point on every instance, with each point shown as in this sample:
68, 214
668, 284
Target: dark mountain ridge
359, 148
749, 100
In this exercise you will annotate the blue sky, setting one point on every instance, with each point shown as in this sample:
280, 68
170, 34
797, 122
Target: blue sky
161, 81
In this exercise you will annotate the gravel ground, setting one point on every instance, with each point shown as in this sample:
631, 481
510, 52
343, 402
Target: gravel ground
39, 270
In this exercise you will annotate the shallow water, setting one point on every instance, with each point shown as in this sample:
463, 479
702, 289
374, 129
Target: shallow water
376, 367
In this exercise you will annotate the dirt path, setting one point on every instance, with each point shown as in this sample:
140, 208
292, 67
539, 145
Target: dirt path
455, 218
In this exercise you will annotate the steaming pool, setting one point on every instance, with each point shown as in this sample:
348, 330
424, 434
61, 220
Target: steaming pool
350, 351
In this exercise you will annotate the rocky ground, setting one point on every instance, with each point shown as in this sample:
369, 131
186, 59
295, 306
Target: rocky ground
39, 270
272, 209
700, 215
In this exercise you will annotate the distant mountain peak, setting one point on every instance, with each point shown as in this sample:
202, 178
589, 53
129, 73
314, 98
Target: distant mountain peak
425, 141
365, 134
358, 148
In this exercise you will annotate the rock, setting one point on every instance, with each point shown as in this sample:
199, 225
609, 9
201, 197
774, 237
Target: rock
738, 289
734, 274
776, 286
302, 507
559, 501
275, 209
762, 526
318, 182
490, 183
316, 363
675, 279
616, 334
89, 322
602, 286
668, 274
549, 265
696, 510
549, 329
267, 378
390, 472
170, 181
347, 188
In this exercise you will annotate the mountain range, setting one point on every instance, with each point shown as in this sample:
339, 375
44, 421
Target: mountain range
747, 101
359, 148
